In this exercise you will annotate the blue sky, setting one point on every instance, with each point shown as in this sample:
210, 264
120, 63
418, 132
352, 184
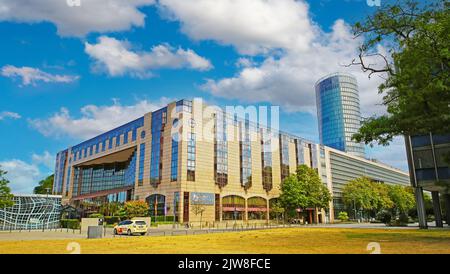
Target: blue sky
70, 72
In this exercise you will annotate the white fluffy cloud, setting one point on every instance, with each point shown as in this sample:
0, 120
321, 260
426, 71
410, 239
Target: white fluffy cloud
30, 76
24, 176
94, 119
296, 51
46, 159
8, 114
289, 80
117, 58
70, 20
253, 26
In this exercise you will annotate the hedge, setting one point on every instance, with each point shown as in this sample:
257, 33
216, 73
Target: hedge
70, 223
96, 215
162, 219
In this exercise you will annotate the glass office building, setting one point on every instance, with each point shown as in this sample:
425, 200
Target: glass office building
338, 112
429, 164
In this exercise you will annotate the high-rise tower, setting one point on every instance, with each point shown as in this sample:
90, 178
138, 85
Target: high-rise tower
338, 112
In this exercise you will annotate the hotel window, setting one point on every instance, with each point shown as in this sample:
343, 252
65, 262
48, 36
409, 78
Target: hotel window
284, 156
104, 145
184, 106
191, 157
118, 139
68, 180
299, 154
174, 158
220, 150
158, 122
133, 134
130, 172
141, 164
245, 152
84, 152
266, 159
313, 156
125, 138
97, 147
110, 142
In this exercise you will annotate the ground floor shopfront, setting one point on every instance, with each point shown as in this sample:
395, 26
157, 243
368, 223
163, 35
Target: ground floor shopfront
214, 207
195, 207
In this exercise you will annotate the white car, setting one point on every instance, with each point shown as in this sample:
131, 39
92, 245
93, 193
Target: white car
130, 227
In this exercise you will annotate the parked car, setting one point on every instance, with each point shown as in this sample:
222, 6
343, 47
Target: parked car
130, 227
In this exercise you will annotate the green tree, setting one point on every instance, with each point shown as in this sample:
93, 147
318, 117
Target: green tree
403, 200
304, 189
276, 210
360, 193
136, 209
110, 209
415, 68
5, 191
364, 194
44, 185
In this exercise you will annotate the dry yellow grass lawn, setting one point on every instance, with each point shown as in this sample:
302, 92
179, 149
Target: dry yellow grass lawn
286, 240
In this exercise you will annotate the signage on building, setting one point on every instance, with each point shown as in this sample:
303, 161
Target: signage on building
202, 198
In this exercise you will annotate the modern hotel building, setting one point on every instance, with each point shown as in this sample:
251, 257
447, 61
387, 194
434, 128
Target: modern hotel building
188, 154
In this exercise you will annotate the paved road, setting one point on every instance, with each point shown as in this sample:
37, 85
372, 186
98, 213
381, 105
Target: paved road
75, 234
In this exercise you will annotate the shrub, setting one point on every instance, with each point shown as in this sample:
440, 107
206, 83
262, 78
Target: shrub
70, 223
343, 216
384, 216
403, 218
96, 215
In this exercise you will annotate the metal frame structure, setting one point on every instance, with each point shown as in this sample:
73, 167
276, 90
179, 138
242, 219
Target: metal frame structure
33, 211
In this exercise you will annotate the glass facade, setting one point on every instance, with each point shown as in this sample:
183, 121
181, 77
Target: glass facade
245, 151
338, 112
430, 155
61, 159
141, 164
157, 205
159, 119
174, 158
284, 155
191, 156
96, 178
184, 106
220, 150
299, 152
266, 158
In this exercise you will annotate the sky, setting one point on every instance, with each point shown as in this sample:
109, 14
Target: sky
71, 69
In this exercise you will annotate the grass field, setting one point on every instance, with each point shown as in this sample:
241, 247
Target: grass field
286, 240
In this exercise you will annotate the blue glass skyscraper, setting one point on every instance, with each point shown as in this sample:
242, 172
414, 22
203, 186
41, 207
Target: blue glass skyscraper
338, 112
